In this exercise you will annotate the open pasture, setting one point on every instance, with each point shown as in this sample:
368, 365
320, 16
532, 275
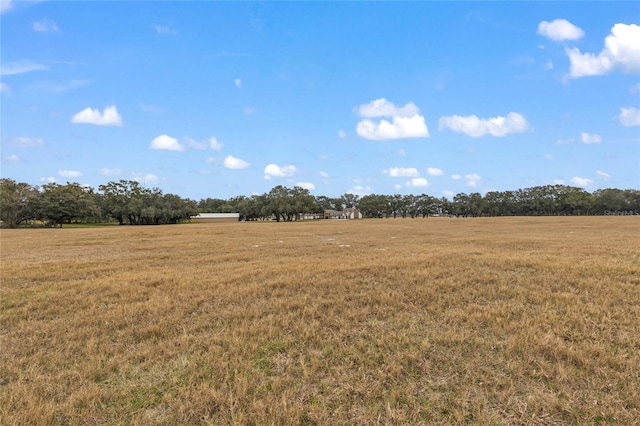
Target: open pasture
406, 321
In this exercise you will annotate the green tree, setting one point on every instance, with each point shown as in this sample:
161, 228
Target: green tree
15, 202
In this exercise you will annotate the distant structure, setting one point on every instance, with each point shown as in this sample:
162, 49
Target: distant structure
348, 213
216, 217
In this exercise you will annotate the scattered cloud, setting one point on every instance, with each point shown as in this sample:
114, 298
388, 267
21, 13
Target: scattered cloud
564, 141
360, 190
456, 177
475, 127
559, 30
418, 182
342, 134
238, 83
110, 172
635, 88
21, 67
5, 6
629, 117
602, 174
211, 160
108, 117
49, 179
406, 122
324, 174
589, 138
473, 180
447, 193
163, 29
233, 163
277, 171
45, 26
249, 110
433, 171
165, 142
548, 65
4, 88
621, 51
69, 173
59, 87
145, 178
151, 108
558, 182
397, 186
25, 142
306, 185
13, 158
402, 153
211, 143
578, 181
402, 172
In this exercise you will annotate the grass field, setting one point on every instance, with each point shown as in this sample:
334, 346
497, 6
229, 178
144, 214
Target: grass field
415, 321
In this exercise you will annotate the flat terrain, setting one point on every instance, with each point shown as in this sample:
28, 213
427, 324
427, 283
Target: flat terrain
406, 321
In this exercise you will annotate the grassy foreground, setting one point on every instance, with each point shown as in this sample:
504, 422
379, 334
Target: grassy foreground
415, 321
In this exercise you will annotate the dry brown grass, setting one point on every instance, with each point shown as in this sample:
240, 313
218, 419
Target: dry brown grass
487, 321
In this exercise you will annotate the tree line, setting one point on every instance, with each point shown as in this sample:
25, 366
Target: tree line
128, 203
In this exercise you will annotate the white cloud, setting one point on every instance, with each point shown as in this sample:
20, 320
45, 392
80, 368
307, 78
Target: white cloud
69, 173
163, 29
558, 182
578, 181
45, 26
49, 179
475, 127
13, 158
249, 111
397, 186
548, 65
306, 185
473, 180
399, 128
167, 143
145, 178
108, 117
560, 29
629, 117
621, 51
238, 83
402, 172
342, 134
360, 190
25, 142
635, 88
564, 141
21, 67
110, 172
212, 143
433, 171
211, 160
447, 193
456, 177
5, 6
589, 138
406, 122
383, 108
59, 87
602, 174
324, 174
402, 153
4, 88
277, 171
231, 162
418, 182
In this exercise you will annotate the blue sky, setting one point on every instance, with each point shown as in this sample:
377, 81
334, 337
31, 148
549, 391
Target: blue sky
218, 99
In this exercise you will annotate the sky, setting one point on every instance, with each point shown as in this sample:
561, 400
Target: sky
219, 99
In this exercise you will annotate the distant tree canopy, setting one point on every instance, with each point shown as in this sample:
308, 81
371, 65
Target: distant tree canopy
128, 203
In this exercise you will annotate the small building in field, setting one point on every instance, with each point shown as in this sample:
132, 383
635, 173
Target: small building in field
348, 213
215, 217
